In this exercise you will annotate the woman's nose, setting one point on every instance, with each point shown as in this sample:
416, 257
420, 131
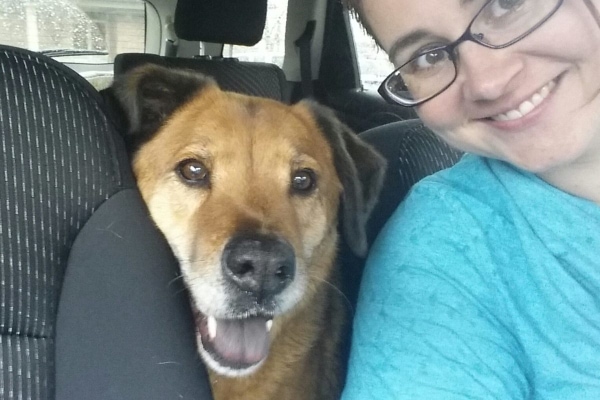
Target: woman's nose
487, 74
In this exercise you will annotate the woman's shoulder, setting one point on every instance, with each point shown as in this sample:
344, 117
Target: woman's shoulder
459, 206
473, 175
482, 187
474, 185
447, 229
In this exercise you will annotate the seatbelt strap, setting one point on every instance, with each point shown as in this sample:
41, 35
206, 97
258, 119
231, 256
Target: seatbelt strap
304, 43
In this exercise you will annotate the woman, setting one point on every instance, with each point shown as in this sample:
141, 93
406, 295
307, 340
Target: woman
486, 281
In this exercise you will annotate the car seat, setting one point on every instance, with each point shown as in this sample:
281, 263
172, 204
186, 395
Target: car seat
252, 78
91, 304
237, 22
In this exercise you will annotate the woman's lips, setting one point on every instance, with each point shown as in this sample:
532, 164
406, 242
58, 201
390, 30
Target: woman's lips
528, 105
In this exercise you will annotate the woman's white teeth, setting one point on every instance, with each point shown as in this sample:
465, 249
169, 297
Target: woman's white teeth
527, 106
269, 325
212, 327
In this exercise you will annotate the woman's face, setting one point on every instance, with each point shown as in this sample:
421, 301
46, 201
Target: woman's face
559, 61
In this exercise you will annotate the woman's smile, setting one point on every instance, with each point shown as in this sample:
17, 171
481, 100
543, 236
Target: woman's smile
528, 105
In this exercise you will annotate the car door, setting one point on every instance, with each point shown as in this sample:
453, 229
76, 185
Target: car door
352, 67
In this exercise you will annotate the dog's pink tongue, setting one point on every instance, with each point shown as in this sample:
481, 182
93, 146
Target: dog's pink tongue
244, 341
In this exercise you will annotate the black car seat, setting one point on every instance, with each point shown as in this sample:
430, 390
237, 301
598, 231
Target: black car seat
252, 78
237, 22
91, 306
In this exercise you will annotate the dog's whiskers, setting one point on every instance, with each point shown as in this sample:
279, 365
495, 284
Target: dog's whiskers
337, 291
172, 281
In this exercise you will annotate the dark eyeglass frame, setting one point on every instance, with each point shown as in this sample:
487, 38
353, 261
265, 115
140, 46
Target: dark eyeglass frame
451, 50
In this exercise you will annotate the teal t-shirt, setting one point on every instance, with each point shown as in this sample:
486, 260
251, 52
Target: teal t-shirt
484, 284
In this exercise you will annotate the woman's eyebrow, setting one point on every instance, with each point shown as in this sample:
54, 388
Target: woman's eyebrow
417, 35
408, 40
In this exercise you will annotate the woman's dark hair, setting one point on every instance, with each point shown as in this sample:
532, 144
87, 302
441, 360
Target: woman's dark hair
356, 9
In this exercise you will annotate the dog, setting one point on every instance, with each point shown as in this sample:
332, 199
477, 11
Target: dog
247, 192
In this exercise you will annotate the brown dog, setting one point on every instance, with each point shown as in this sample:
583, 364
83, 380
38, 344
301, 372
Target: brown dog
246, 190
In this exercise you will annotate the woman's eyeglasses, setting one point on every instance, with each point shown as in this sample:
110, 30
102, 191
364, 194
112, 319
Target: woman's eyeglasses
499, 24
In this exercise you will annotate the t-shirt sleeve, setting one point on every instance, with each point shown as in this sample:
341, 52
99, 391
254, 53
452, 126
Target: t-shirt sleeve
431, 321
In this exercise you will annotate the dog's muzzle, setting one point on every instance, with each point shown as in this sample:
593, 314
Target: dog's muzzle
257, 268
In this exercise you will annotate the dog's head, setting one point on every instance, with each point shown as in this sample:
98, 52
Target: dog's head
246, 191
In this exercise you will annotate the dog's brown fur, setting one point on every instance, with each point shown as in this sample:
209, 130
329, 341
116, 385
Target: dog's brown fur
251, 148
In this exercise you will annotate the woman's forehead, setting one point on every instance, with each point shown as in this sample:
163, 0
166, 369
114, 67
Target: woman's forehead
393, 20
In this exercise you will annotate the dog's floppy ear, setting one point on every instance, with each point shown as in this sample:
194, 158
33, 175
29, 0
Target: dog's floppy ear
361, 170
148, 94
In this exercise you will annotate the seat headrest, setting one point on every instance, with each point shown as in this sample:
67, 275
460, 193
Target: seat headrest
239, 22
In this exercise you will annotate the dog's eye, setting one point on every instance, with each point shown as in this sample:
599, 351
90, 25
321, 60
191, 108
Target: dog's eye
193, 172
303, 180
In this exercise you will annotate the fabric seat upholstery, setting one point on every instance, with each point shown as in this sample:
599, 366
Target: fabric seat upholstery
73, 235
251, 78
55, 174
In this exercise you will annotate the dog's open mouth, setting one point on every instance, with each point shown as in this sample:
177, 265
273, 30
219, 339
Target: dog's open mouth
235, 343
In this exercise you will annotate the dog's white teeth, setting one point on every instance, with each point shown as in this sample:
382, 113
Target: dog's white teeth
269, 325
212, 327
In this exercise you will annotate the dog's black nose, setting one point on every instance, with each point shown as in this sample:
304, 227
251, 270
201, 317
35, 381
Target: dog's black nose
263, 265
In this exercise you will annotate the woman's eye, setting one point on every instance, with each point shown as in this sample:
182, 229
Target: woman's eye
429, 60
432, 58
303, 180
193, 172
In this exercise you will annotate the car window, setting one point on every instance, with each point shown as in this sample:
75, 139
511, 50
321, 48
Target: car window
84, 34
373, 62
74, 30
271, 48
